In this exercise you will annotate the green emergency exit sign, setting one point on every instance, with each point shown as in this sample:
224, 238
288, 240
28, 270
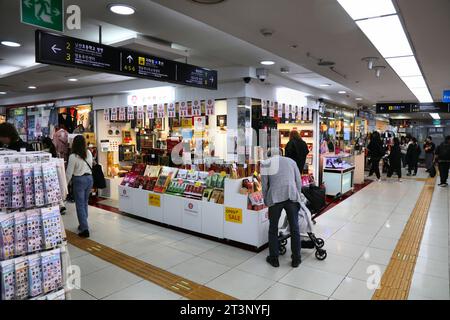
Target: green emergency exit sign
47, 14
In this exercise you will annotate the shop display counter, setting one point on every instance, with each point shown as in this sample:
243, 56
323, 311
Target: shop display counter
231, 220
338, 173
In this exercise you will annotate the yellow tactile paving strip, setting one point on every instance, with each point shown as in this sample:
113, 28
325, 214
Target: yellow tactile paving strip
167, 280
396, 280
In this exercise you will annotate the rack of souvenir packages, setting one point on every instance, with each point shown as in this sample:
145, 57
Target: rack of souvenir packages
33, 251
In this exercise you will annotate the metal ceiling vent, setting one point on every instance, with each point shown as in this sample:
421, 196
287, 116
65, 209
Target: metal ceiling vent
208, 1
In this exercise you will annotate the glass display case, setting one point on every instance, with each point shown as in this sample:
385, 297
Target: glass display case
338, 173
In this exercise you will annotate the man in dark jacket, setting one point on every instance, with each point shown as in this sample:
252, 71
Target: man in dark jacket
376, 152
297, 150
412, 157
443, 159
9, 138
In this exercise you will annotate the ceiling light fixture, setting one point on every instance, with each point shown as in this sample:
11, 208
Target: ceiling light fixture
370, 61
435, 116
342, 92
381, 24
11, 44
73, 80
208, 1
267, 63
32, 87
325, 85
122, 9
378, 70
2, 92
359, 99
364, 9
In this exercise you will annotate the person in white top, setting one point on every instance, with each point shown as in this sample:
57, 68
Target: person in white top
79, 170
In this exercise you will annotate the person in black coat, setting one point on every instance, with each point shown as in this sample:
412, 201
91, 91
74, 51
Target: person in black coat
376, 152
395, 160
297, 150
412, 157
10, 139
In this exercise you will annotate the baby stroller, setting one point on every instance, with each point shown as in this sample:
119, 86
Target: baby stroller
307, 237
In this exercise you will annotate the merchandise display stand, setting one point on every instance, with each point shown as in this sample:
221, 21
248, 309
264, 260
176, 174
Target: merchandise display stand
338, 179
33, 248
230, 220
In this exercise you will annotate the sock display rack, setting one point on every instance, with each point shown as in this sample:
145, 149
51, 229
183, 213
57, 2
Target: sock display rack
33, 249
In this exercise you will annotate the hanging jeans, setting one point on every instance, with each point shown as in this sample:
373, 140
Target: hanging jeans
375, 167
291, 209
81, 190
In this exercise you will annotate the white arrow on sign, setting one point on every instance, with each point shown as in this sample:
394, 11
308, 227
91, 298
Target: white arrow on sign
130, 59
55, 49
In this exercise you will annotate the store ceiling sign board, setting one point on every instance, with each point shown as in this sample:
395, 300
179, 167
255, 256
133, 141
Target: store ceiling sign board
76, 53
436, 107
47, 14
446, 96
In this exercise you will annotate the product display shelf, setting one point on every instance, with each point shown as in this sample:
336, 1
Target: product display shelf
338, 180
231, 220
34, 258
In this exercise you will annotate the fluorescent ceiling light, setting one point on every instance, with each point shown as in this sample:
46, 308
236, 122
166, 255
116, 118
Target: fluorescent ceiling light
435, 116
363, 9
73, 80
2, 92
342, 92
32, 87
405, 66
267, 63
414, 82
325, 85
422, 94
122, 9
11, 44
387, 35
359, 99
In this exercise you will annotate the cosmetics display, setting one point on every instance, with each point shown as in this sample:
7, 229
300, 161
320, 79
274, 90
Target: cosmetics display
32, 237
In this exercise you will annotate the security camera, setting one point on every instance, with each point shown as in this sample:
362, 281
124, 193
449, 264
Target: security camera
262, 74
247, 79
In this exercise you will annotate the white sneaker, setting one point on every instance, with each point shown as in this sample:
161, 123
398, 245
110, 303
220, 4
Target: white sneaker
379, 180
400, 180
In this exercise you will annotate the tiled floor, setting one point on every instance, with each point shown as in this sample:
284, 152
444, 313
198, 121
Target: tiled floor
361, 234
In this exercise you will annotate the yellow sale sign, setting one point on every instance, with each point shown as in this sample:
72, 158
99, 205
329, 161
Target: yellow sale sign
233, 215
154, 200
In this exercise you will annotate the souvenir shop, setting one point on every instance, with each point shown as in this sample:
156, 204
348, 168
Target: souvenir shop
189, 158
35, 121
33, 247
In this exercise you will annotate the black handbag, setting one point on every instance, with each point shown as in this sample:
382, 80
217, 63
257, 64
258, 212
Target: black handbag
433, 171
97, 176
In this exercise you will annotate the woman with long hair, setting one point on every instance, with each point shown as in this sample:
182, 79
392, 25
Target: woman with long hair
79, 170
376, 152
297, 150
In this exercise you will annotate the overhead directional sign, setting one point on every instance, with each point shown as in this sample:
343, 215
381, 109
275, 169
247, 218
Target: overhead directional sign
72, 52
436, 107
47, 14
446, 96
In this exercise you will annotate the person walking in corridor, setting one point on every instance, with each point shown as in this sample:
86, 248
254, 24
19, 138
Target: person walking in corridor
430, 149
395, 160
376, 152
443, 160
79, 170
281, 185
412, 157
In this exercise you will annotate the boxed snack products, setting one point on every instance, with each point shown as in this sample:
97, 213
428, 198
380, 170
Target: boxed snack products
182, 174
7, 280
177, 187
192, 175
256, 201
6, 236
217, 196
207, 193
194, 191
164, 179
